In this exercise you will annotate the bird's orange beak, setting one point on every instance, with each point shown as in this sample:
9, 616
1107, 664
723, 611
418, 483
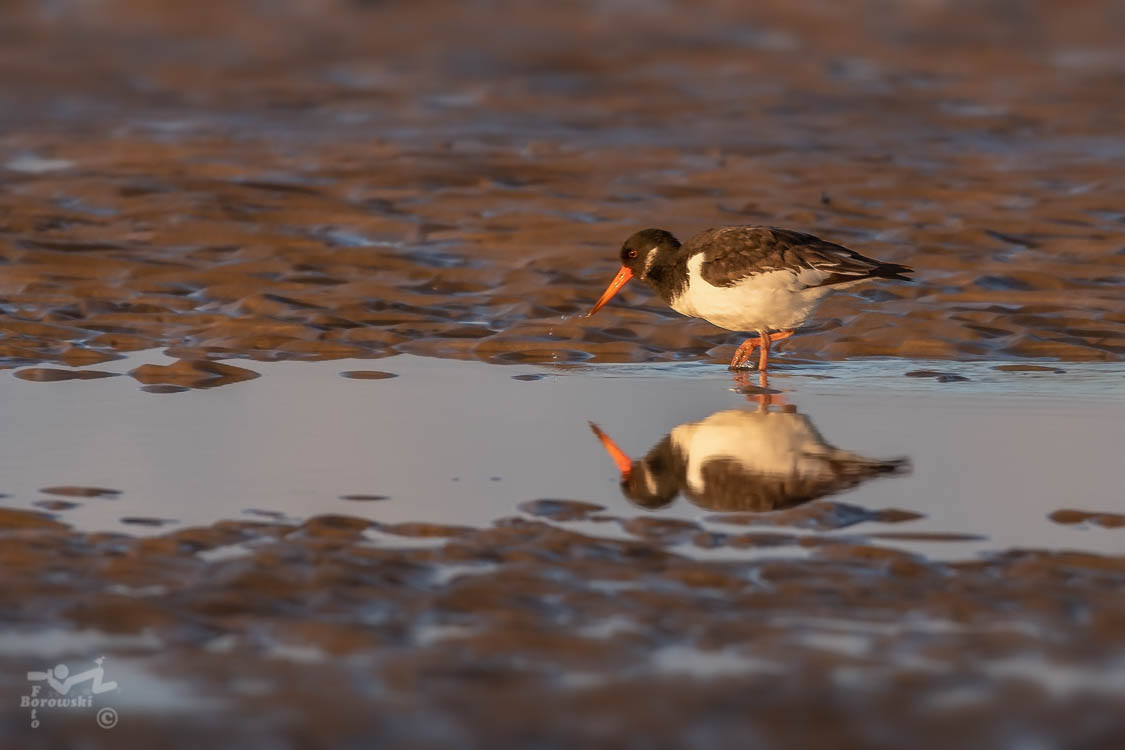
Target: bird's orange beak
620, 280
624, 464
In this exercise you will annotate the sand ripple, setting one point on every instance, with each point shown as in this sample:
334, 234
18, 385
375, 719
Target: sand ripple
319, 190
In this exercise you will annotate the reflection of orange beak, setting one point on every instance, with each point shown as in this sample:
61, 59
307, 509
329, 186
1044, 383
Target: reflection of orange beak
624, 465
620, 280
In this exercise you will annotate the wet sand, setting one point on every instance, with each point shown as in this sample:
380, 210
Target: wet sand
271, 554
325, 187
528, 634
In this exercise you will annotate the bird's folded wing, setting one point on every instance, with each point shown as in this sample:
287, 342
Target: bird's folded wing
732, 254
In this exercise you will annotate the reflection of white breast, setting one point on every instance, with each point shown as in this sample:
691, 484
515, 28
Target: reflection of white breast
763, 442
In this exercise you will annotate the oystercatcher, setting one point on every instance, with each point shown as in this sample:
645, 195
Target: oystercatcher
745, 278
738, 460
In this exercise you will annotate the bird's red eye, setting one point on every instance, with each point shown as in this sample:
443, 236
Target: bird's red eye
631, 253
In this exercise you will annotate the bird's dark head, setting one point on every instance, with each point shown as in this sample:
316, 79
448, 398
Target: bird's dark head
643, 251
647, 248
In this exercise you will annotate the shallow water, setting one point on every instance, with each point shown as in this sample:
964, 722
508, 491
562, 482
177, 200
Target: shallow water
988, 456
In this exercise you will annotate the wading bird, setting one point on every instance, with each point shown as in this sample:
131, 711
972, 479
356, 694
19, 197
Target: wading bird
745, 278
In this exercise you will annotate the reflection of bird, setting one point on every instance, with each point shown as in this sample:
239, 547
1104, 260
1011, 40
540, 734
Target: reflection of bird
745, 278
743, 461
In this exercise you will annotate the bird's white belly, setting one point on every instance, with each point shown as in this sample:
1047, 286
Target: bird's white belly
775, 300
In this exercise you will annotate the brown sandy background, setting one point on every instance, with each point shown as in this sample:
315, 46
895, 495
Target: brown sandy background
328, 179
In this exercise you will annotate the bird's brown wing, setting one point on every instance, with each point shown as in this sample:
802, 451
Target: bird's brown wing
731, 254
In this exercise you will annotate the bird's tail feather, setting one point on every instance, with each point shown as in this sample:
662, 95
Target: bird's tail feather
892, 271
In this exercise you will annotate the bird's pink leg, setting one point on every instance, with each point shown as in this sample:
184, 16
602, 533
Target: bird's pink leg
767, 339
743, 352
781, 335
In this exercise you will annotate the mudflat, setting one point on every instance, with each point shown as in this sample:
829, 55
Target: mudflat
435, 549
326, 185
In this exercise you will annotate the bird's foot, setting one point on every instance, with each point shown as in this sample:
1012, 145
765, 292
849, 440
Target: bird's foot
763, 341
743, 352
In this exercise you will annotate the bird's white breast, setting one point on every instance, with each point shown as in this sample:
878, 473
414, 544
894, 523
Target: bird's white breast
768, 301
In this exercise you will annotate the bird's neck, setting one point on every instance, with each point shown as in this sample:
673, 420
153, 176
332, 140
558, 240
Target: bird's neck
668, 277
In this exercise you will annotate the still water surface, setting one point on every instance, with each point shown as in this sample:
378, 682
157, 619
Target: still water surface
983, 461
